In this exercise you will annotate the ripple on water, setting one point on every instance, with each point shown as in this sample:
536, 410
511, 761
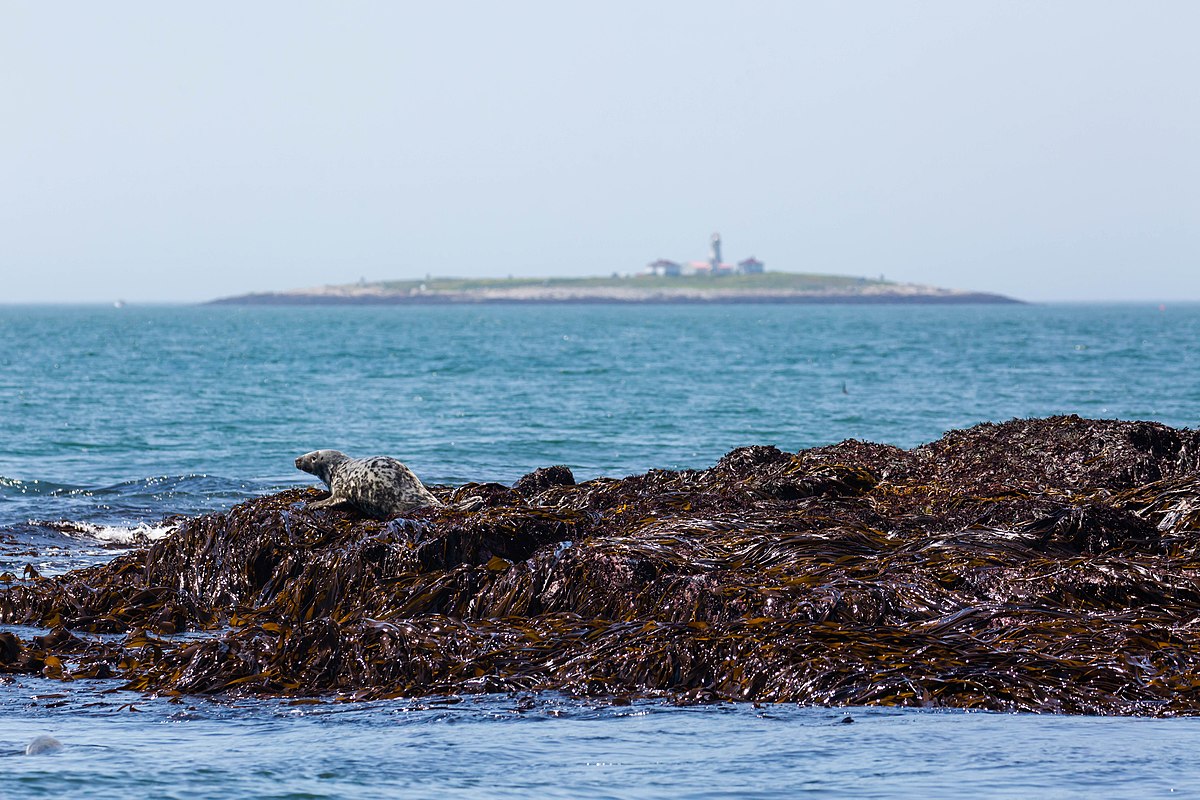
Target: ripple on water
488, 746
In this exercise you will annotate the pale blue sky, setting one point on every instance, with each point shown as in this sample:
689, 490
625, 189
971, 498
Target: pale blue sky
179, 152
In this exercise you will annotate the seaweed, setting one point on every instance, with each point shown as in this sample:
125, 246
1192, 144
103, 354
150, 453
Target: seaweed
1036, 565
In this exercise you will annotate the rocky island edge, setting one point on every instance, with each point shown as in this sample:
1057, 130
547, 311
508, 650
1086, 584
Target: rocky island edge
767, 287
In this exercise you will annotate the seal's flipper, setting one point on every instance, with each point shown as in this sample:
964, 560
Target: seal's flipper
329, 502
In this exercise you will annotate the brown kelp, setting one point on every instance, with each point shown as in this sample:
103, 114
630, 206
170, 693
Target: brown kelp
1037, 565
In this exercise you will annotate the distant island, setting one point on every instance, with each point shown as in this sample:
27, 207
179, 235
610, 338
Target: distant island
738, 287
712, 280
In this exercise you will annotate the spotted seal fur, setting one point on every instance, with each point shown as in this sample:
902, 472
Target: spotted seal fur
379, 487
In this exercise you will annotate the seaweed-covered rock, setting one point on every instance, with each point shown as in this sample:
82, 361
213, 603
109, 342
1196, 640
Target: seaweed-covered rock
542, 479
1043, 565
1063, 453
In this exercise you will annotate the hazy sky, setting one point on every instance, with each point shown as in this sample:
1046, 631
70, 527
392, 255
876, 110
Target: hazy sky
172, 151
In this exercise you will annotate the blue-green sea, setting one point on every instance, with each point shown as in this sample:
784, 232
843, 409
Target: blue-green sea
112, 419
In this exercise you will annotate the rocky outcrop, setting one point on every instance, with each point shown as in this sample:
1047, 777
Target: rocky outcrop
1039, 565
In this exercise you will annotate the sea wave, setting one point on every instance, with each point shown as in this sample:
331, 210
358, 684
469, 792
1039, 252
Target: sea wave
124, 505
158, 486
121, 535
15, 487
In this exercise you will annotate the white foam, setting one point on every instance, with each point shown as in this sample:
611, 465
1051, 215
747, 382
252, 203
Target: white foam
114, 534
124, 535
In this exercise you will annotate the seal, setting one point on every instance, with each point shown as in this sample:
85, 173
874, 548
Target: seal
379, 487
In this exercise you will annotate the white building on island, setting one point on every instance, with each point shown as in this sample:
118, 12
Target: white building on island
713, 266
664, 267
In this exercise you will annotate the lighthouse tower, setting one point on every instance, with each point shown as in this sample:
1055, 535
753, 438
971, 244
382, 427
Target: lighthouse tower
714, 253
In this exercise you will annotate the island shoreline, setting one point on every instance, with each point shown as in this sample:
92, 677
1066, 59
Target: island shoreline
286, 299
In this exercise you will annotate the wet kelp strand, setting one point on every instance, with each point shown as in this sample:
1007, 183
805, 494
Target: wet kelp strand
1038, 565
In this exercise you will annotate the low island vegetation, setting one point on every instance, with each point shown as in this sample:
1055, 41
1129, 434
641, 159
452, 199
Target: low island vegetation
760, 287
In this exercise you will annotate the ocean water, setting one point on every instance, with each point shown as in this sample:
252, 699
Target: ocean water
112, 420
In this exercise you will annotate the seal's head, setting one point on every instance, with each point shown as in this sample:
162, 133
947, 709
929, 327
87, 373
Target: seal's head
321, 462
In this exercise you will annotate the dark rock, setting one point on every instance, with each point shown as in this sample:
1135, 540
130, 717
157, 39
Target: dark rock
538, 481
746, 460
10, 648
